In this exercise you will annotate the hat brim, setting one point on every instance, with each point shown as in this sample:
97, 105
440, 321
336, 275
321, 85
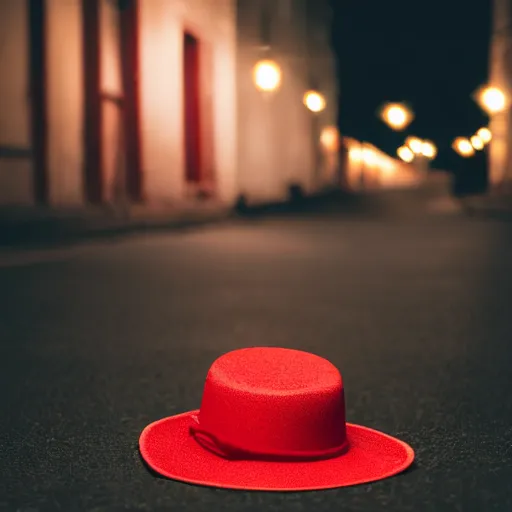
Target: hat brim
168, 448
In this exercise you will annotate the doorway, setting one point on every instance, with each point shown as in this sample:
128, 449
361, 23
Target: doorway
192, 110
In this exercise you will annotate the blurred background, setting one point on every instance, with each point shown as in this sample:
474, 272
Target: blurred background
161, 104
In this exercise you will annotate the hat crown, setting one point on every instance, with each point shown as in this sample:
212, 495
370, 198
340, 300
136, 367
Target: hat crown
274, 401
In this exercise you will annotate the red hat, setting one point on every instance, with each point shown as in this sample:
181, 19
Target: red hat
271, 419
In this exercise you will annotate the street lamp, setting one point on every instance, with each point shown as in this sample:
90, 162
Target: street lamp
477, 142
463, 147
428, 149
405, 154
485, 134
396, 115
492, 99
415, 144
314, 101
267, 75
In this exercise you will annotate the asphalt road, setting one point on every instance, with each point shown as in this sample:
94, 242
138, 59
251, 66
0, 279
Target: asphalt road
99, 340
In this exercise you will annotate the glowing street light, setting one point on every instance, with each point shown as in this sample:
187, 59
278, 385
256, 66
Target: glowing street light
330, 139
314, 101
492, 99
477, 142
485, 134
428, 149
405, 154
463, 147
267, 75
415, 144
369, 157
355, 154
397, 116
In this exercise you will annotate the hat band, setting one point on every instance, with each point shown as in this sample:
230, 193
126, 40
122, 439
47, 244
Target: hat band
231, 452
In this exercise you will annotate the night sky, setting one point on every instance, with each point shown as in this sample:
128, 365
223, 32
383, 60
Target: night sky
432, 55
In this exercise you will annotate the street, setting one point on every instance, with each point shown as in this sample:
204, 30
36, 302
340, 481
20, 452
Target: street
100, 339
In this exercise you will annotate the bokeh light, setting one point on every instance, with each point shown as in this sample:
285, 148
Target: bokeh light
396, 116
485, 134
314, 101
330, 139
477, 142
415, 144
493, 100
428, 149
463, 147
267, 75
405, 153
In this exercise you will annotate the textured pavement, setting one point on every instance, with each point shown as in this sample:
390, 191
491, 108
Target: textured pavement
98, 340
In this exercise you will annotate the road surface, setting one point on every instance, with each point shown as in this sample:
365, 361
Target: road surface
100, 339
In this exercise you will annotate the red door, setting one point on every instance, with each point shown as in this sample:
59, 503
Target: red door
192, 112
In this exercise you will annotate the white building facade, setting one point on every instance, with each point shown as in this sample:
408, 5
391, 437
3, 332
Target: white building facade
153, 100
500, 148
279, 138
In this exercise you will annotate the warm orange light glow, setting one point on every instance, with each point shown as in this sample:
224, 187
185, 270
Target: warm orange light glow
493, 100
330, 138
428, 149
387, 166
267, 75
477, 142
485, 134
396, 116
463, 147
369, 157
355, 154
405, 154
314, 101
415, 144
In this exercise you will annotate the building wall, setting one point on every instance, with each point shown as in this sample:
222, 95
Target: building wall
500, 149
161, 32
260, 144
163, 23
64, 102
278, 137
15, 145
368, 168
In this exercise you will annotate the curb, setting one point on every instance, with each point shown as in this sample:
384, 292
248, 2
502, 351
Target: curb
484, 208
57, 233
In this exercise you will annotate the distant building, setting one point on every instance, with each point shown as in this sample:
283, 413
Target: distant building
500, 149
154, 100
280, 139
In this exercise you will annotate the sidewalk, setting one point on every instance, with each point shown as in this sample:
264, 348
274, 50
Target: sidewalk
41, 227
490, 206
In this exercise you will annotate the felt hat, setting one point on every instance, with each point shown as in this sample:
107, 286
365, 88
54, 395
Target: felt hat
271, 419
